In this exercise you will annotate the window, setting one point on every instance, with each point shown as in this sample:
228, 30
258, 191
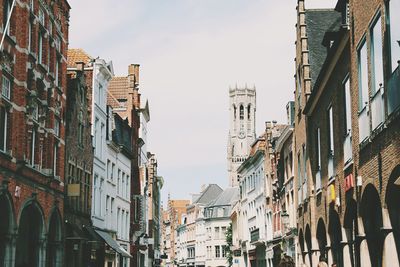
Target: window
216, 232
249, 112
330, 132
80, 128
299, 89
33, 146
41, 16
96, 146
56, 73
40, 47
318, 148
362, 77
112, 171
304, 163
35, 111
223, 251
6, 14
217, 252
3, 128
241, 112
118, 180
55, 159
394, 23
6, 87
234, 112
123, 183
376, 55
57, 126
347, 95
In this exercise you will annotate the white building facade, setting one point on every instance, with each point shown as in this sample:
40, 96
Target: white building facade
254, 215
242, 110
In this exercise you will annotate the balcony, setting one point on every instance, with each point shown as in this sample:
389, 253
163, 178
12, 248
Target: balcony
377, 109
393, 91
363, 124
255, 235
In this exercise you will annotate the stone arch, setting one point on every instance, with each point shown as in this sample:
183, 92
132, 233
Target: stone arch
7, 226
335, 233
321, 238
392, 200
308, 240
371, 214
54, 239
31, 236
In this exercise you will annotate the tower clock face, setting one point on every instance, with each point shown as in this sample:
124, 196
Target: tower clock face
241, 134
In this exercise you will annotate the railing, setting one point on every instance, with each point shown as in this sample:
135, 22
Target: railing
363, 124
318, 180
347, 147
393, 91
377, 109
255, 235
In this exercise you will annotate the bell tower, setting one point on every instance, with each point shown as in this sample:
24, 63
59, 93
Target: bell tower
242, 133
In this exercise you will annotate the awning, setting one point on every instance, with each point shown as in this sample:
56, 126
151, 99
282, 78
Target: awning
113, 244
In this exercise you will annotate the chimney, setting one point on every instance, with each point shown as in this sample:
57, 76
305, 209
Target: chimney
133, 83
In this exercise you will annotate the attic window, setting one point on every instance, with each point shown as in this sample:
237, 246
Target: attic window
122, 102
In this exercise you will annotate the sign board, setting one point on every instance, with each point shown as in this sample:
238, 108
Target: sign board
74, 190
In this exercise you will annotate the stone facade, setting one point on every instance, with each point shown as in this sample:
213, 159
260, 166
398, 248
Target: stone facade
242, 112
32, 126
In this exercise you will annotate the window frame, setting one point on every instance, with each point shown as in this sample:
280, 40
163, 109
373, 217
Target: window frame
362, 88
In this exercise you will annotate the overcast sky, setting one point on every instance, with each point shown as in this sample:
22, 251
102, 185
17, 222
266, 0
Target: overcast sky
190, 52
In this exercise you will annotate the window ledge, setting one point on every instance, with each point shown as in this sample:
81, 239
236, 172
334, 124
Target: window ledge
6, 154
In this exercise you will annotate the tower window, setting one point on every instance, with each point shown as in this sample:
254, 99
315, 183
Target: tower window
248, 112
241, 110
234, 112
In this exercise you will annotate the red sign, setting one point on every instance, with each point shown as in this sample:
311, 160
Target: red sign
348, 182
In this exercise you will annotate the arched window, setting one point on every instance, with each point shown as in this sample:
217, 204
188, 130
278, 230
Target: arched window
248, 112
241, 110
234, 111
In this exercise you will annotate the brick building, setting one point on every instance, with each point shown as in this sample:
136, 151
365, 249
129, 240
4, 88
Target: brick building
123, 96
78, 170
351, 133
375, 92
32, 127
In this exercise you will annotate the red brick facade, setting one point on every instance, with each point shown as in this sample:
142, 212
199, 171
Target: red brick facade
33, 73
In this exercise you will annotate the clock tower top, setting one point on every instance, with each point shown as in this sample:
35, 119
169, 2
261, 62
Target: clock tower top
242, 110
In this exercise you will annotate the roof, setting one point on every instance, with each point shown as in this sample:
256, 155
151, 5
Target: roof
228, 197
77, 55
209, 194
118, 87
319, 21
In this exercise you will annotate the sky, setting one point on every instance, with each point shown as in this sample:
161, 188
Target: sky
190, 52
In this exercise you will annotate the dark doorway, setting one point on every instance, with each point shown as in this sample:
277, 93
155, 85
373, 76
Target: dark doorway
5, 229
54, 245
30, 233
371, 213
321, 237
393, 204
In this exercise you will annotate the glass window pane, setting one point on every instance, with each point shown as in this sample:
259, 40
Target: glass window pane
363, 76
394, 10
377, 57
